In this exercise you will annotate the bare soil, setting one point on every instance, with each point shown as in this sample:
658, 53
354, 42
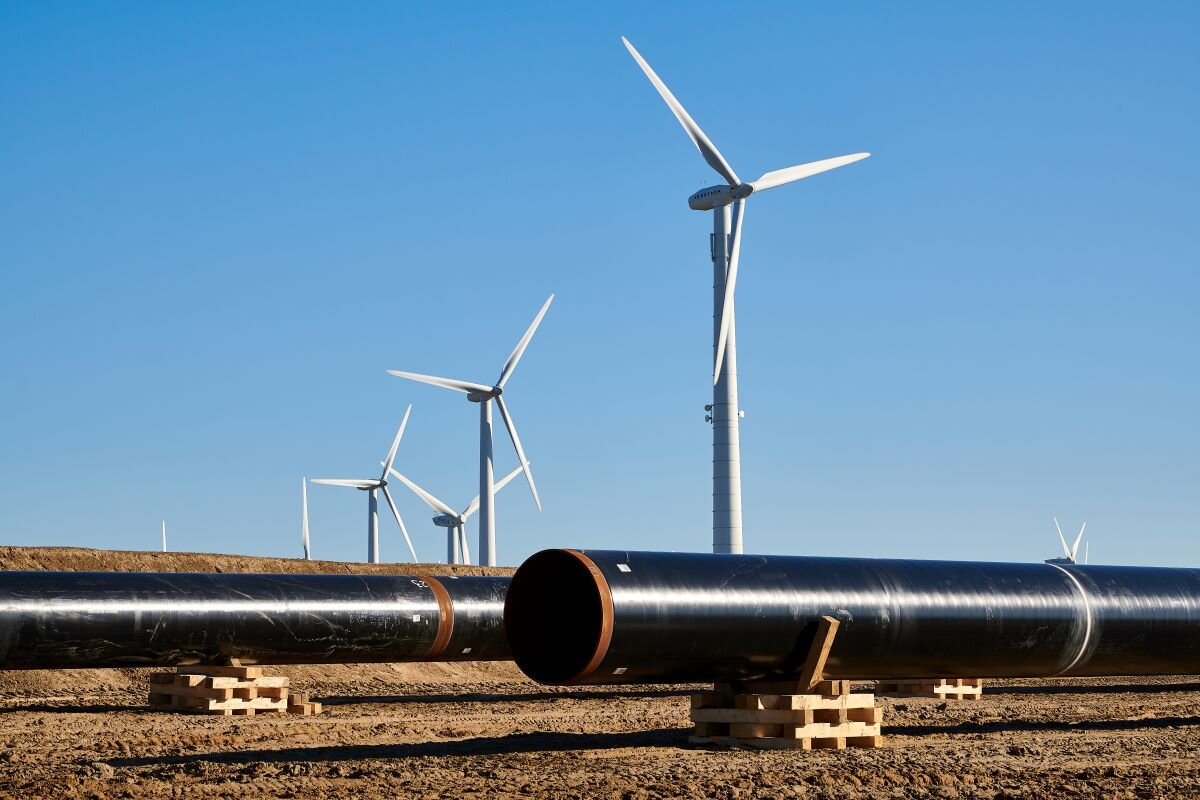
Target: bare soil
482, 730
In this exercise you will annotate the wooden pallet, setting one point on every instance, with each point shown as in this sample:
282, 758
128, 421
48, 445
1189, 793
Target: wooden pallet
828, 716
943, 688
802, 714
227, 690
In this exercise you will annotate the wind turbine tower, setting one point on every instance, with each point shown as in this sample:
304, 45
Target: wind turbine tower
484, 395
304, 519
727, 201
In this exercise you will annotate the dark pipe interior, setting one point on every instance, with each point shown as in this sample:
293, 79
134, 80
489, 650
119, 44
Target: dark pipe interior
553, 617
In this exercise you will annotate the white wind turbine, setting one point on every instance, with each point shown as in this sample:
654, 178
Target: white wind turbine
455, 522
1070, 554
484, 395
372, 486
164, 531
723, 414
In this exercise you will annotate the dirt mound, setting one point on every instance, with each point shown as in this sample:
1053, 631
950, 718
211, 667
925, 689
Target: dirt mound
83, 559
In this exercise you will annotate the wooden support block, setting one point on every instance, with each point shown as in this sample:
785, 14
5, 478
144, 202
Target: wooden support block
708, 729
193, 691
814, 666
943, 688
832, 716
864, 741
871, 716
801, 722
831, 743
754, 730
831, 688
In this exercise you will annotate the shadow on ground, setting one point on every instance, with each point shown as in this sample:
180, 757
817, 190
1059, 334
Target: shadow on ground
506, 697
71, 708
1019, 725
1108, 688
483, 746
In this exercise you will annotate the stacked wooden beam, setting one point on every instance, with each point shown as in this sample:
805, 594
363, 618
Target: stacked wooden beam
299, 703
231, 690
944, 688
828, 715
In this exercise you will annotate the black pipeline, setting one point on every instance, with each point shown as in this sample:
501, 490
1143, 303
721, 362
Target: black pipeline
51, 620
580, 617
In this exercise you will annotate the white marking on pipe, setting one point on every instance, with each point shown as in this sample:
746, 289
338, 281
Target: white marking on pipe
624, 568
619, 671
1087, 630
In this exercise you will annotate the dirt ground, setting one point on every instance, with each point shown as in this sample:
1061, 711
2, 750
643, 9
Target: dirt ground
482, 730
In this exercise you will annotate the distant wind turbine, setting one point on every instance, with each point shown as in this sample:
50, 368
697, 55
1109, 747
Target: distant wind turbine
164, 531
372, 486
454, 522
1069, 553
484, 395
725, 250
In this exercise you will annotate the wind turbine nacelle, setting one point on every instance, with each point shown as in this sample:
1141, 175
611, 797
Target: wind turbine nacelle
445, 521
710, 198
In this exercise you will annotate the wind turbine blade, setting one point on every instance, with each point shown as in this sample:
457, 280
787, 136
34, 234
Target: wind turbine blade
519, 350
362, 483
391, 456
1078, 539
474, 504
508, 478
516, 440
445, 383
1086, 546
304, 517
702, 142
770, 180
1066, 550
396, 513
466, 551
430, 500
739, 210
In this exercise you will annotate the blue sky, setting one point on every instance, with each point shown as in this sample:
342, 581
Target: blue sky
220, 224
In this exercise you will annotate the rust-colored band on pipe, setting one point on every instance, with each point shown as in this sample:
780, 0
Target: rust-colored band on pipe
445, 618
559, 615
606, 618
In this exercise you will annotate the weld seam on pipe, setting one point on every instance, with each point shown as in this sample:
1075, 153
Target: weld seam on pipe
1087, 625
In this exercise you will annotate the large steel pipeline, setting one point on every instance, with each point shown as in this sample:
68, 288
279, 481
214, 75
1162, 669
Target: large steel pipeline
589, 617
54, 620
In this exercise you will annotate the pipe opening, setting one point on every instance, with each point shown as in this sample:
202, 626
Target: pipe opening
557, 617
